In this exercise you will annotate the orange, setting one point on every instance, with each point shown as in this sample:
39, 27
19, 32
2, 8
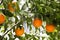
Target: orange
2, 18
15, 5
37, 22
10, 8
19, 31
50, 28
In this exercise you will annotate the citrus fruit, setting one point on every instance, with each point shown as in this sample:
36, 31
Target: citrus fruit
50, 28
16, 6
10, 7
37, 22
19, 31
2, 18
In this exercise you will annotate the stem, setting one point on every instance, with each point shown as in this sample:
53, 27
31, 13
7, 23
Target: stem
9, 30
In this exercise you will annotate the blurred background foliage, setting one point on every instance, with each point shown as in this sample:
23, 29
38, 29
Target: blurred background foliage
25, 11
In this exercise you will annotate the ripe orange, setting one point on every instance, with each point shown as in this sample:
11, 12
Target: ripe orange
2, 18
37, 22
19, 31
50, 28
10, 8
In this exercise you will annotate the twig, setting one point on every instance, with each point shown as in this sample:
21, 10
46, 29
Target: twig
9, 30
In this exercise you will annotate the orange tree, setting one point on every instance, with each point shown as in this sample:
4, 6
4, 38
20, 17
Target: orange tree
30, 19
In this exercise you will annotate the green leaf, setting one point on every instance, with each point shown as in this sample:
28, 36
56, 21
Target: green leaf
1, 6
7, 13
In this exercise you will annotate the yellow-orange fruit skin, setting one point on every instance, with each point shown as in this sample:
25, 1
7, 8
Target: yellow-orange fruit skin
19, 31
2, 18
10, 8
50, 28
37, 22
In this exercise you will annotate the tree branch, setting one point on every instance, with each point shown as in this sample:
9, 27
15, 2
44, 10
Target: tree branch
9, 30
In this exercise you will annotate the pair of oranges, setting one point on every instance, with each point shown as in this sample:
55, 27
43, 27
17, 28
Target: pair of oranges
38, 23
18, 31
